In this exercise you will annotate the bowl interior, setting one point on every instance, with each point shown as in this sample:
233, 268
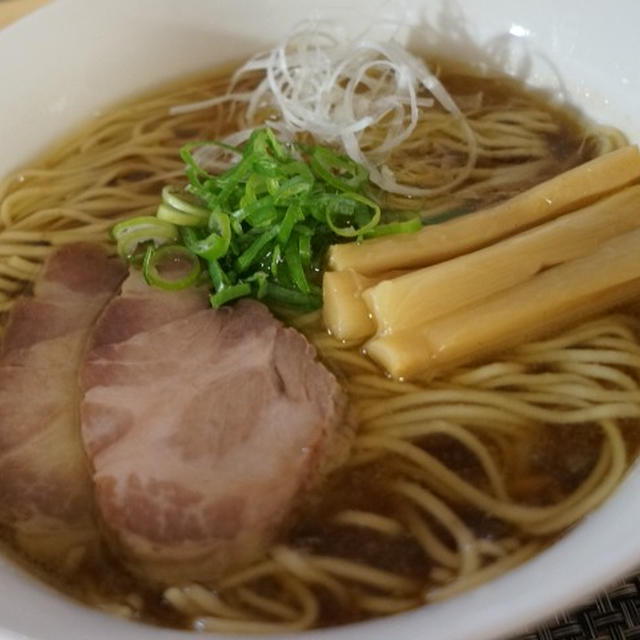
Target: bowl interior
72, 59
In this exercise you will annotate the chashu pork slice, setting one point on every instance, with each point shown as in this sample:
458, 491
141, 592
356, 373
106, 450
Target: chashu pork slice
45, 487
203, 429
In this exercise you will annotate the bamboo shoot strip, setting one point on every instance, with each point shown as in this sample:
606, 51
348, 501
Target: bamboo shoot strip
431, 292
569, 191
345, 314
547, 302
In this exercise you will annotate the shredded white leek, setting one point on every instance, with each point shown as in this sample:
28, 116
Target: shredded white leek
336, 90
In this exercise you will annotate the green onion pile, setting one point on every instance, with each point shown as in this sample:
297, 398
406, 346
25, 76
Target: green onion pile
261, 228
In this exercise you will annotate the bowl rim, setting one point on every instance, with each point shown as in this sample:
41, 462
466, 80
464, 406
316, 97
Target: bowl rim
575, 561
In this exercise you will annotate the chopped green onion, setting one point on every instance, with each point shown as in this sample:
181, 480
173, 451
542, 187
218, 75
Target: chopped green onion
177, 217
248, 257
292, 190
304, 248
262, 213
260, 228
134, 232
219, 278
193, 170
292, 215
182, 201
402, 226
209, 248
350, 231
169, 257
229, 293
276, 256
339, 171
288, 297
294, 264
260, 280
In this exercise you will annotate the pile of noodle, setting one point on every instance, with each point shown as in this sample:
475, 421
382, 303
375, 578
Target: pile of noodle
585, 380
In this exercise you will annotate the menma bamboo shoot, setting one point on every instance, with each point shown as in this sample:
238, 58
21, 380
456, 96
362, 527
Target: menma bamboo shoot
566, 192
547, 302
345, 314
431, 292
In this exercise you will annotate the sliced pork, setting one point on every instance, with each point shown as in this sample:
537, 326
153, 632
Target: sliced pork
204, 429
45, 488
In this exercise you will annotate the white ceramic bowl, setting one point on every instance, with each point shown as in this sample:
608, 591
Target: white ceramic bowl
71, 59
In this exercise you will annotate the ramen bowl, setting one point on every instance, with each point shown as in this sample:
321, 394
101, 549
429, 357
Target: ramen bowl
72, 59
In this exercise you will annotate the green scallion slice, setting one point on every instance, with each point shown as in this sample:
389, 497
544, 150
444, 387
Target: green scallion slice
132, 233
262, 227
171, 267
